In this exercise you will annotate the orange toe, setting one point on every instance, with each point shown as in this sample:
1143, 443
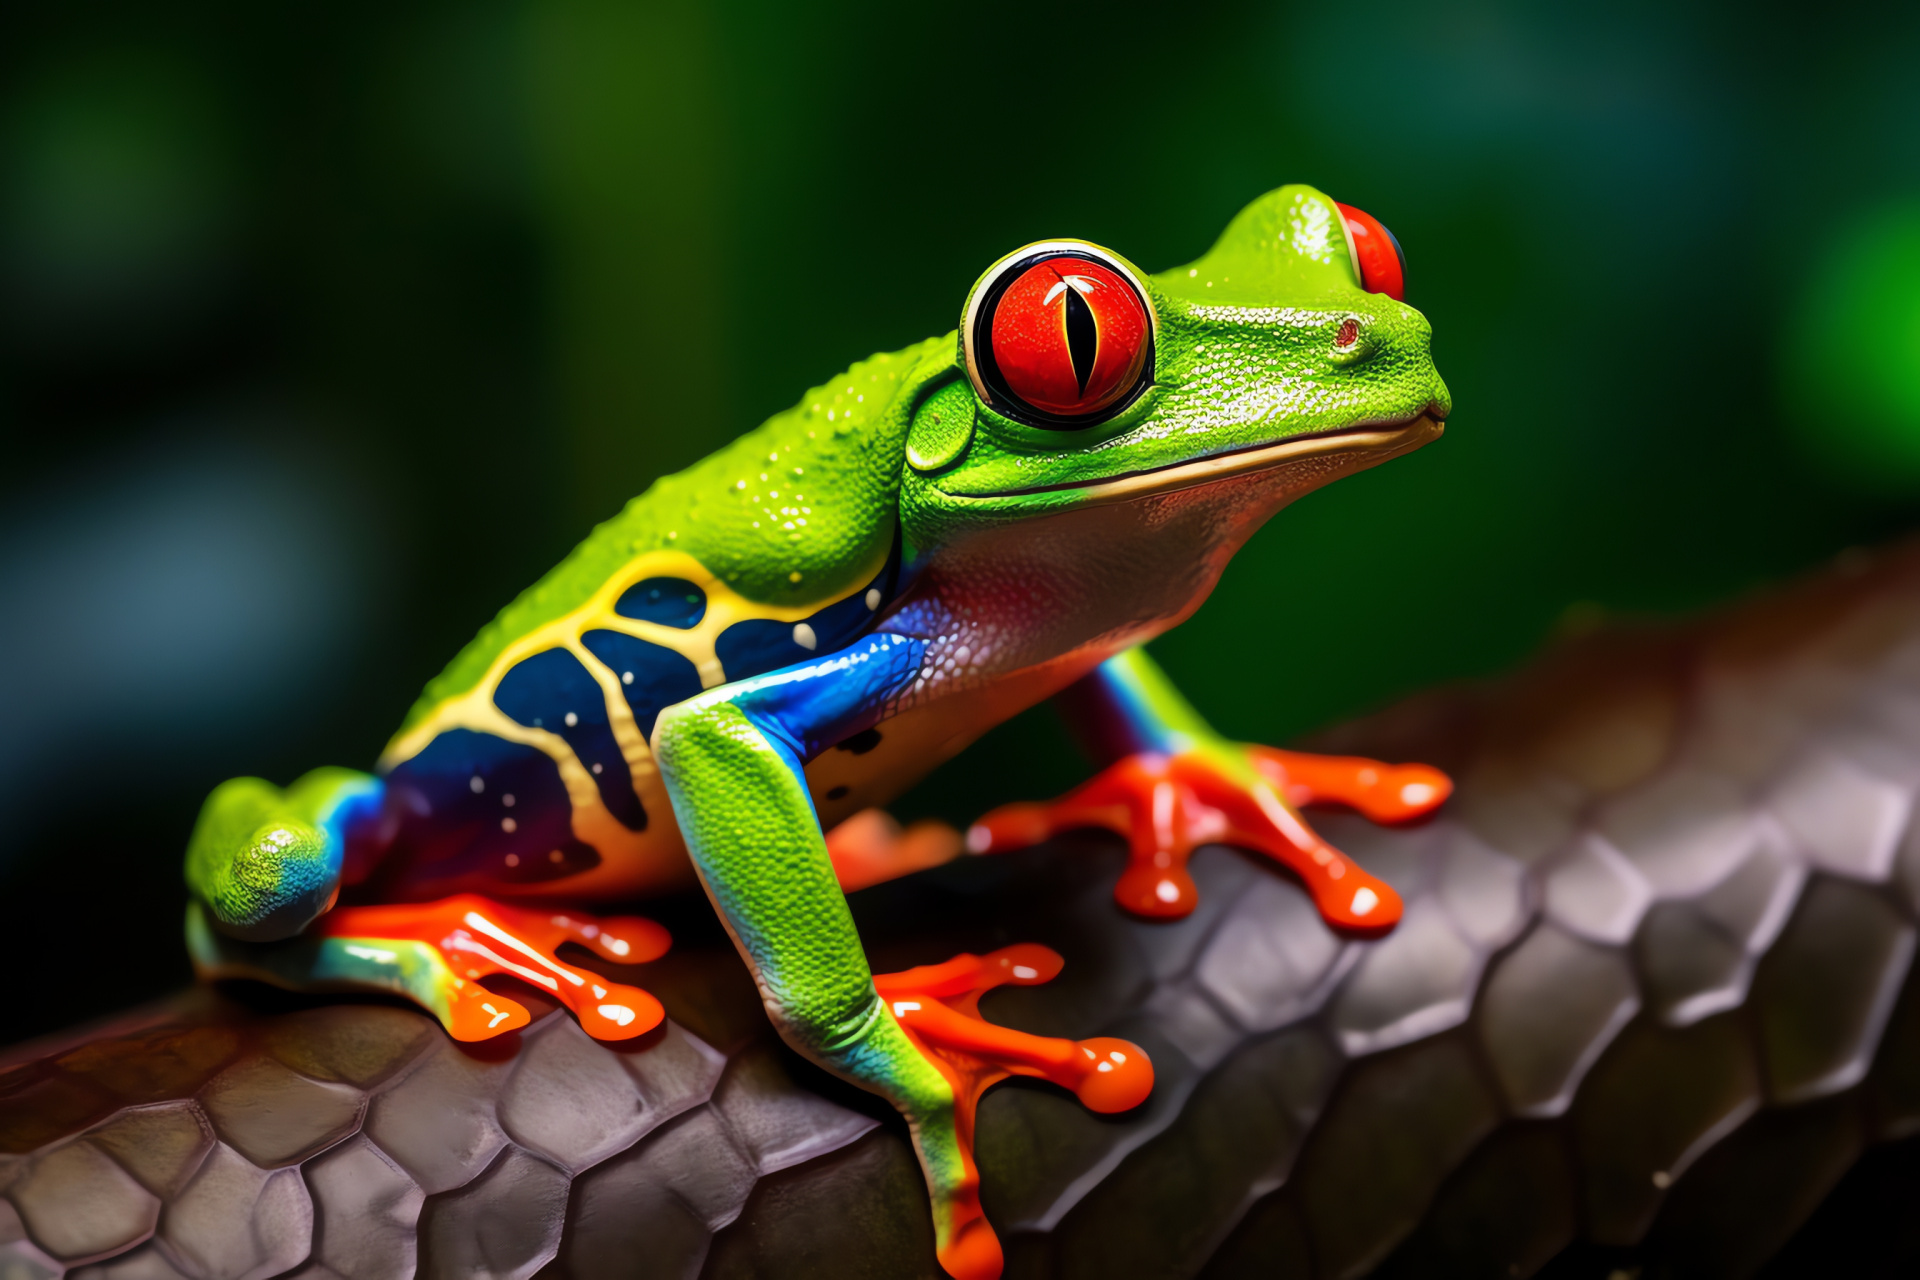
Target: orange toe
477, 938
973, 1252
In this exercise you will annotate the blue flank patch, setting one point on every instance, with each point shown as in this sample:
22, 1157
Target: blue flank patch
451, 831
759, 645
670, 602
552, 691
810, 707
652, 677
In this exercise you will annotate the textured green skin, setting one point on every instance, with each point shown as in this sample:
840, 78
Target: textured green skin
260, 854
762, 859
1244, 358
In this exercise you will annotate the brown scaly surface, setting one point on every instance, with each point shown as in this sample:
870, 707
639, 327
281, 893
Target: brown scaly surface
1649, 1002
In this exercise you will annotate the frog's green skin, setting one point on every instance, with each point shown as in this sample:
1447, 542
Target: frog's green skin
984, 565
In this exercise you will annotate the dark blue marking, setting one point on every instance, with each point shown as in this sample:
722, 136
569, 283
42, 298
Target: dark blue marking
759, 645
653, 677
810, 707
552, 691
448, 831
671, 602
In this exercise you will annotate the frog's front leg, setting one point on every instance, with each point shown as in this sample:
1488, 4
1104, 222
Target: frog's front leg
264, 869
732, 760
1175, 784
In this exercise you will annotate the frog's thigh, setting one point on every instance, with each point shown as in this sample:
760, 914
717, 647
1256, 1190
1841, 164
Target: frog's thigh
263, 861
733, 762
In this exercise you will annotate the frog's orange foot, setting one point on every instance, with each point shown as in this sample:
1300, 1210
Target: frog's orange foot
1167, 805
1389, 794
870, 847
938, 1006
468, 937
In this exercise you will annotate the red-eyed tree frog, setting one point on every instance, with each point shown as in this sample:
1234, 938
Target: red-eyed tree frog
766, 646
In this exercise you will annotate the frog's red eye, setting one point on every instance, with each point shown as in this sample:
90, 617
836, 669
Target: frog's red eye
1383, 267
1059, 336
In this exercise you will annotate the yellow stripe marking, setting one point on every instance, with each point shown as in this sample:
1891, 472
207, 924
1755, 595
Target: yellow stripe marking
593, 824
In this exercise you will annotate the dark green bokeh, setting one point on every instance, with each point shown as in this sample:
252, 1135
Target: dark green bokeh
487, 268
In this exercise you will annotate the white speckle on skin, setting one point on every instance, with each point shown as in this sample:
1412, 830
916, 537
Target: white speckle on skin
873, 599
626, 677
804, 637
572, 719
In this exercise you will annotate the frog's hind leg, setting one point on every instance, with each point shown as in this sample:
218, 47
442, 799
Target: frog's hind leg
436, 953
733, 761
264, 866
264, 862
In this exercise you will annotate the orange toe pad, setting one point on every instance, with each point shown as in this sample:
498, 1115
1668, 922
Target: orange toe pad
475, 937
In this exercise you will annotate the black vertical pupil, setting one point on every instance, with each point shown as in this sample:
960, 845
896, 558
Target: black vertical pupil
1083, 337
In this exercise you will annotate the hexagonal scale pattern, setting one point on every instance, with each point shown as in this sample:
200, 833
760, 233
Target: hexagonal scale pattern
1652, 993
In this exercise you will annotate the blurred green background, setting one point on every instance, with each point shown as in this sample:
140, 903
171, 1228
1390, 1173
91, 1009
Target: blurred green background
324, 329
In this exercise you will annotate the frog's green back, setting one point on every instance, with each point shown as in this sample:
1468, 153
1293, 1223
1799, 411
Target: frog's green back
791, 514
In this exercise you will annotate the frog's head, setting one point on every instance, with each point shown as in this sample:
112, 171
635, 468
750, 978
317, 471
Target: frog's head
1286, 352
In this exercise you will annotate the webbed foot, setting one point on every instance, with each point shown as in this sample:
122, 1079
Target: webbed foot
871, 847
938, 1007
435, 953
1167, 805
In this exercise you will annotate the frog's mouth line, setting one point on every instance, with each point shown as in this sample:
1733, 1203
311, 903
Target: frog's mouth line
1387, 440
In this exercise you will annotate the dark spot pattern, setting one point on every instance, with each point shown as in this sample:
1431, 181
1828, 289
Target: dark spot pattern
670, 602
552, 691
759, 645
860, 743
449, 831
651, 676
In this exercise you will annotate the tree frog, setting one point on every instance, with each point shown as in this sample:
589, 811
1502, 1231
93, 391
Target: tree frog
764, 647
